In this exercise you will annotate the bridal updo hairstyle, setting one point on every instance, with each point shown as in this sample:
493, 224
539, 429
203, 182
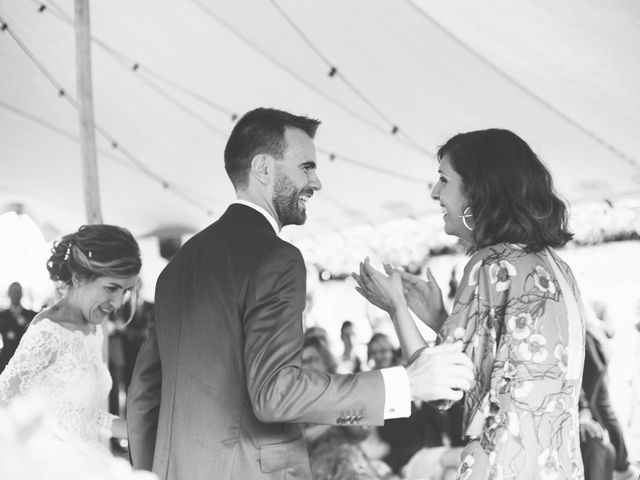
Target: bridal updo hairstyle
510, 191
94, 251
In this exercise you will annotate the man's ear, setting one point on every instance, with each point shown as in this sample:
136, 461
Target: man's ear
263, 168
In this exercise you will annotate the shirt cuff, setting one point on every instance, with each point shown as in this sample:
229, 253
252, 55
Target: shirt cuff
397, 393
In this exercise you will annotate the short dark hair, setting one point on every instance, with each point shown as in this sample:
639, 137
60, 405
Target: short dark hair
94, 251
510, 191
346, 324
260, 131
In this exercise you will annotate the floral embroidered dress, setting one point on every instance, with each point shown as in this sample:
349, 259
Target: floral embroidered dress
521, 319
64, 371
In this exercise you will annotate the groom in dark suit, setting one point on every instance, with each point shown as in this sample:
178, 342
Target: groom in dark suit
218, 389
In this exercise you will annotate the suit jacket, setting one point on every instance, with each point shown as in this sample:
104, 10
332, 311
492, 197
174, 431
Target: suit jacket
593, 377
12, 328
218, 387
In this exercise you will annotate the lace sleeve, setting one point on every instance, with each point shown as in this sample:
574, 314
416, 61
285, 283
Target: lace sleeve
105, 421
37, 350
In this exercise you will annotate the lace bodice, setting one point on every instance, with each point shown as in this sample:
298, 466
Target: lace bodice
64, 370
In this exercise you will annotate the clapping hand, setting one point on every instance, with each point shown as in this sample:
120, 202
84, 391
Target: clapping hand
423, 297
385, 292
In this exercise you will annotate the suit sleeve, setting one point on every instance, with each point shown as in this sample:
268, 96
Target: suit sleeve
143, 403
279, 388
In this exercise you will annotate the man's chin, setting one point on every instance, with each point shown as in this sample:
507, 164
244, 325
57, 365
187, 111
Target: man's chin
295, 220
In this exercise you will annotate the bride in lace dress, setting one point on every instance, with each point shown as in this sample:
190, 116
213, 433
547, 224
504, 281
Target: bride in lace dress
59, 363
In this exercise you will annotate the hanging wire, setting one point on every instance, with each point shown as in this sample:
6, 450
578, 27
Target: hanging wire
374, 168
130, 63
168, 97
298, 77
114, 143
336, 72
76, 139
598, 139
134, 65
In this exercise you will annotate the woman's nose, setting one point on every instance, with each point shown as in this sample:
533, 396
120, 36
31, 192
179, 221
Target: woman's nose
435, 191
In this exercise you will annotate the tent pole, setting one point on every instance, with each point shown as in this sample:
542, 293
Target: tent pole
88, 133
85, 113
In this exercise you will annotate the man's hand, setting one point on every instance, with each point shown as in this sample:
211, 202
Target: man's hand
440, 373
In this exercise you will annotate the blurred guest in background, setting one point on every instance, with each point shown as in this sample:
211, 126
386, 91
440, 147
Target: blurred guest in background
427, 426
349, 361
13, 322
453, 284
319, 333
604, 451
316, 356
335, 452
381, 353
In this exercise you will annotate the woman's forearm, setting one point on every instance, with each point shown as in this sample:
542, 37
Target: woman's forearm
410, 337
433, 321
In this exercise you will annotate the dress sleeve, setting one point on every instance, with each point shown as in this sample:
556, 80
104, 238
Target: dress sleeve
37, 350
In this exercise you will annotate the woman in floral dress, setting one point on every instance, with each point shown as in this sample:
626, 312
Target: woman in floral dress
517, 310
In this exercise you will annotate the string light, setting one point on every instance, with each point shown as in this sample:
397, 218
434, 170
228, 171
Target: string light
132, 158
335, 73
136, 67
126, 61
74, 138
292, 73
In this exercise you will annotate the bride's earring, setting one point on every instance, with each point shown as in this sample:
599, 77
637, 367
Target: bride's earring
466, 213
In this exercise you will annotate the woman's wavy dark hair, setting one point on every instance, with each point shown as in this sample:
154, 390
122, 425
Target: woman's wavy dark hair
94, 251
510, 191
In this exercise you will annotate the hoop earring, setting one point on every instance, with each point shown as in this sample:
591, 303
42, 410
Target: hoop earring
466, 213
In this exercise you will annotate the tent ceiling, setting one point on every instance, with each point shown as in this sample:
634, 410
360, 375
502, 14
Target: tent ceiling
564, 75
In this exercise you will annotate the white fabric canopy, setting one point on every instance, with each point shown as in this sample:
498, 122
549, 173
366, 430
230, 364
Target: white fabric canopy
563, 75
